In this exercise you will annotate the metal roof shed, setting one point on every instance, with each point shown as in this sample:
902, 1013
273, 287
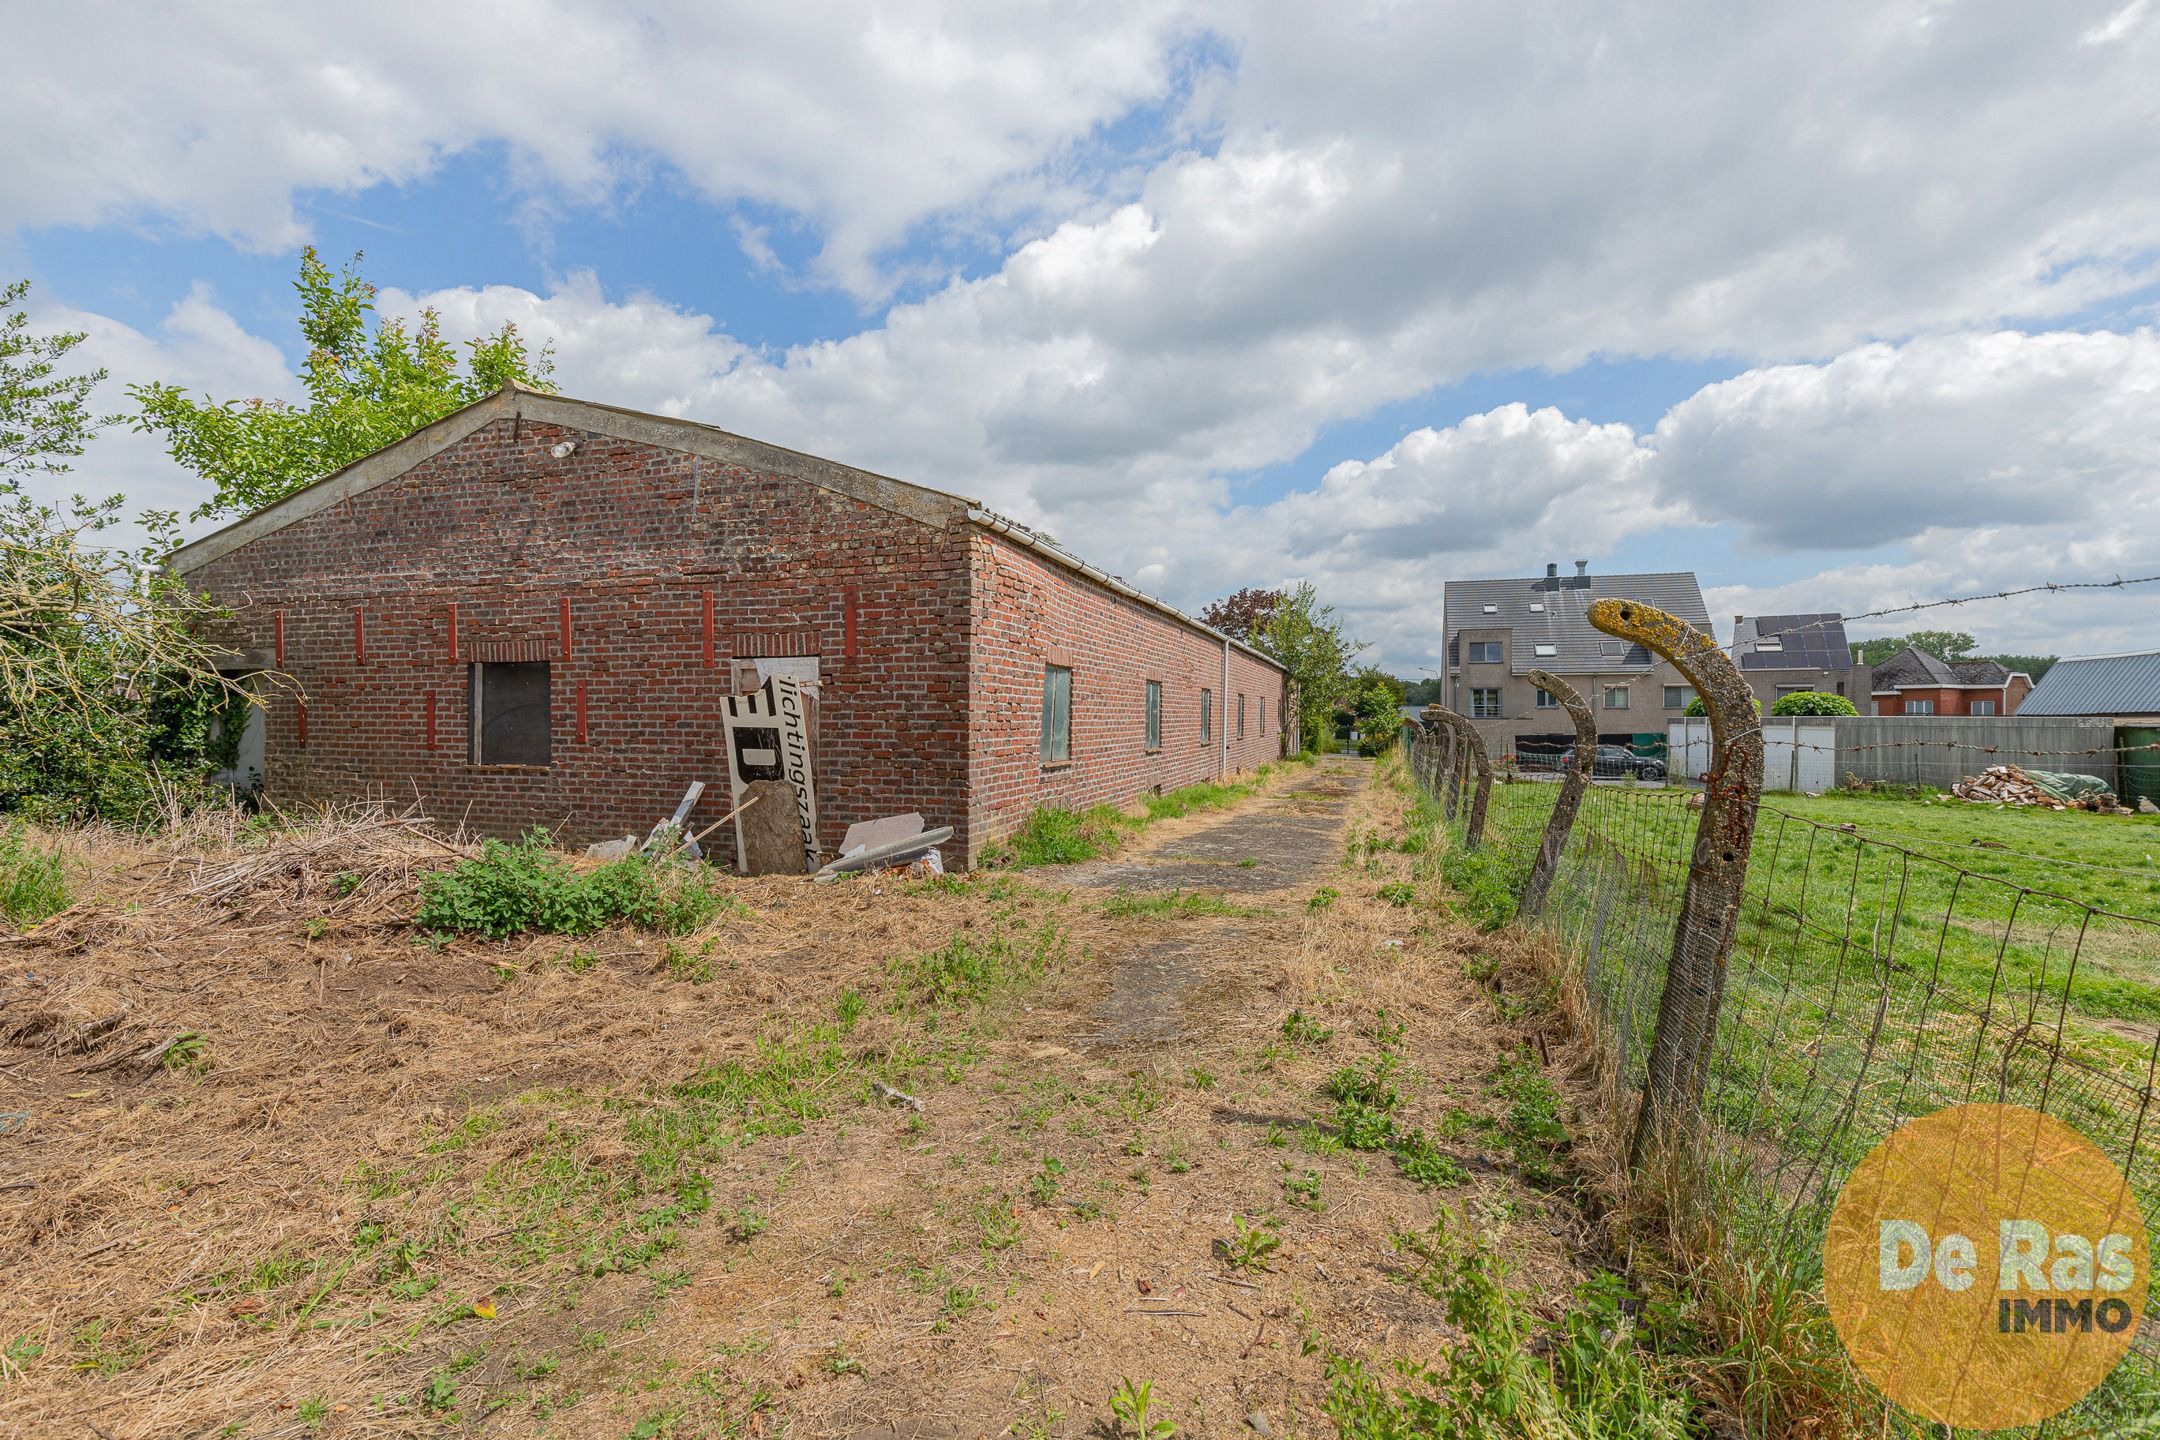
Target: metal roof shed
2122, 686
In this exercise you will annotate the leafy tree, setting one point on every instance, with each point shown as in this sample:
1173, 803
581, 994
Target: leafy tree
1429, 691
110, 699
1698, 709
108, 692
45, 418
1375, 700
1310, 643
1243, 615
1812, 702
369, 382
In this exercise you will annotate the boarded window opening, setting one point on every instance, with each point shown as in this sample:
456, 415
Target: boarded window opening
1241, 717
1057, 715
1154, 715
1207, 715
511, 714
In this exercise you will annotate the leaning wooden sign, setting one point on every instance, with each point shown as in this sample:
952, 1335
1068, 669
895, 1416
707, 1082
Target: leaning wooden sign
768, 738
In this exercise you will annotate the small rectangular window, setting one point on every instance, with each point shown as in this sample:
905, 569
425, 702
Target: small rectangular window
1616, 697
1919, 707
1485, 652
1485, 703
1241, 716
1490, 609
511, 714
1774, 643
1545, 652
1537, 607
1056, 715
1677, 696
1207, 716
1154, 716
1983, 707
1547, 701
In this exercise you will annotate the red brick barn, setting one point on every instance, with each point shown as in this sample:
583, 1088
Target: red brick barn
530, 613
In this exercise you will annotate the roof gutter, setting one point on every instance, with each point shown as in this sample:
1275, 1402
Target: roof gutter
997, 524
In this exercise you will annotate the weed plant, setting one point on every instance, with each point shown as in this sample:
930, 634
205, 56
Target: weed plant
33, 881
513, 889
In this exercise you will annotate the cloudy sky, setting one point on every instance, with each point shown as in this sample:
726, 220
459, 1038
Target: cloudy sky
1841, 306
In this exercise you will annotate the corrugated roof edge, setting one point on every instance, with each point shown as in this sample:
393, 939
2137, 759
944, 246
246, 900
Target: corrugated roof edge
920, 502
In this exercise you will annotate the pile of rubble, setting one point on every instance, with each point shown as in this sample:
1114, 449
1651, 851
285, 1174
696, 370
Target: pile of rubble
2012, 785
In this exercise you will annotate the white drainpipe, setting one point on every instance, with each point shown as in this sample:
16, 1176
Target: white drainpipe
1226, 708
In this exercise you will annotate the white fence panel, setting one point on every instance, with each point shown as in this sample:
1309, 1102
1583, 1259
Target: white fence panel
1687, 746
1797, 755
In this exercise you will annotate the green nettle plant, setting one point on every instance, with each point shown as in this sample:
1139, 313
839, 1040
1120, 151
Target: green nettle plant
369, 382
513, 889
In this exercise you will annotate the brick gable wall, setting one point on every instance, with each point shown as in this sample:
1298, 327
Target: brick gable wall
637, 572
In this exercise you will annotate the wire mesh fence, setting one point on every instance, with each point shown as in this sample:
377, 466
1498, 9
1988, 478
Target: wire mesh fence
1868, 983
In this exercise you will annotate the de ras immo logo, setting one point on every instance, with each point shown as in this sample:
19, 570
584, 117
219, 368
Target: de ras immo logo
1987, 1266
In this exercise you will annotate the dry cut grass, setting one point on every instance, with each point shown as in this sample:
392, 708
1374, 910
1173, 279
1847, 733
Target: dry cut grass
872, 1158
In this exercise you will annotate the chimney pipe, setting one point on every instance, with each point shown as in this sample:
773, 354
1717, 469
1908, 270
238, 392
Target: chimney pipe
1582, 567
1552, 571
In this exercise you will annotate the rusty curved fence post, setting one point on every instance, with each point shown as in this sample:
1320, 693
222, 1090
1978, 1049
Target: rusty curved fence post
1717, 869
1444, 771
1473, 749
1572, 786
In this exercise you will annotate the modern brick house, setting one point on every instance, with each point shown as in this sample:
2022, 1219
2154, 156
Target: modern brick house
532, 611
1499, 629
1913, 682
1781, 654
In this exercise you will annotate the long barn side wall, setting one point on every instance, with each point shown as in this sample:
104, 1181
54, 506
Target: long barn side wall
1029, 613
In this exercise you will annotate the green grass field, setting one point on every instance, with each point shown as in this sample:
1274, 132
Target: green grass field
2108, 861
1892, 966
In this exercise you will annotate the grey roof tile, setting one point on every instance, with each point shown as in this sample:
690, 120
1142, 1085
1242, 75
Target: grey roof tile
1912, 666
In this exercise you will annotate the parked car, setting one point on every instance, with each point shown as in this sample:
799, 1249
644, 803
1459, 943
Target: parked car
1617, 762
